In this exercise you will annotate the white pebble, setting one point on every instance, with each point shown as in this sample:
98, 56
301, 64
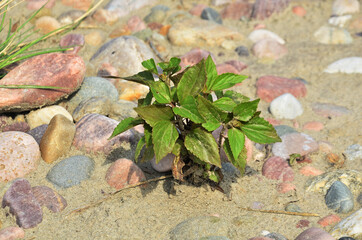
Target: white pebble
346, 65
341, 7
339, 21
260, 34
286, 106
350, 226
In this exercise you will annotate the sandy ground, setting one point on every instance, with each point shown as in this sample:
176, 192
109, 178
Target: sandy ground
151, 212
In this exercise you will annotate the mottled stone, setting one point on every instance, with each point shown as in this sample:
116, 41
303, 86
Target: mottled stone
38, 132
44, 115
100, 105
350, 226
49, 198
15, 126
303, 223
329, 220
263, 9
236, 10
11, 233
339, 198
277, 168
122, 8
329, 110
353, 153
286, 106
105, 16
76, 41
67, 71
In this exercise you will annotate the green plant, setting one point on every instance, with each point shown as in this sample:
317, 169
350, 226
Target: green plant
187, 107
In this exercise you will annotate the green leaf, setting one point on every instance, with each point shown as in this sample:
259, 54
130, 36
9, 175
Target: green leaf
240, 162
150, 65
174, 94
213, 176
139, 147
177, 78
203, 145
260, 131
147, 100
144, 78
148, 154
236, 97
164, 136
148, 134
192, 82
126, 124
161, 92
225, 104
171, 67
210, 71
236, 141
213, 116
219, 94
155, 113
188, 109
178, 147
225, 80
246, 110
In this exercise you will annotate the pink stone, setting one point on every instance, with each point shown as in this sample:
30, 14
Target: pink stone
46, 24
49, 198
136, 24
197, 10
53, 69
36, 4
269, 87
299, 11
78, 4
12, 233
277, 168
303, 223
237, 10
263, 9
226, 68
329, 110
165, 164
274, 122
72, 40
313, 126
325, 146
16, 126
124, 172
329, 220
285, 187
194, 56
315, 234
269, 49
105, 16
308, 170
238, 65
19, 155
259, 26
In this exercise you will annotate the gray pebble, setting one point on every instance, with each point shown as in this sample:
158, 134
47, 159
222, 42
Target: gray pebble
291, 207
339, 198
38, 132
211, 15
284, 129
354, 153
242, 51
276, 236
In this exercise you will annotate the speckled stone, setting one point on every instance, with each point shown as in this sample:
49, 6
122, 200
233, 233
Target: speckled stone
277, 168
49, 198
350, 226
354, 153
339, 198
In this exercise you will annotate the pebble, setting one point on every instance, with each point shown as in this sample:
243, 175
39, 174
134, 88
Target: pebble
38, 132
201, 226
124, 172
277, 168
197, 9
122, 109
93, 131
220, 2
332, 35
76, 41
100, 105
313, 126
136, 24
346, 238
260, 34
94, 38
71, 171
226, 68
339, 198
329, 110
11, 233
79, 4
36, 4
236, 10
315, 234
46, 24
269, 49
23, 204
345, 65
308, 170
286, 106
19, 155
57, 138
164, 165
292, 207
284, 129
294, 143
299, 11
69, 17
242, 51
122, 8
211, 14
354, 153
341, 7
67, 70
15, 126
156, 15
285, 187
303, 223
269, 87
194, 56
104, 16
329, 220
275, 236
263, 9
49, 198
44, 115
339, 21
350, 226
199, 33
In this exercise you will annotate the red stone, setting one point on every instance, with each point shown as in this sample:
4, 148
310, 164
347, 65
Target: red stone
17, 126
72, 40
12, 233
197, 10
313, 126
285, 187
53, 69
36, 4
265, 8
124, 172
78, 4
226, 68
194, 56
270, 87
237, 10
49, 198
310, 171
277, 168
303, 223
329, 220
299, 11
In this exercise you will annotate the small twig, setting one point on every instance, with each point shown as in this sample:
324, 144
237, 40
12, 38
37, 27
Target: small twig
111, 195
156, 52
304, 214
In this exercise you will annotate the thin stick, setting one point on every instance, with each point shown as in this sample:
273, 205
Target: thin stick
304, 214
111, 195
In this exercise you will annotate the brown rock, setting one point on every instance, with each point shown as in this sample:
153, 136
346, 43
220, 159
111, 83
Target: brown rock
46, 24
237, 10
67, 71
76, 41
265, 8
94, 38
49, 198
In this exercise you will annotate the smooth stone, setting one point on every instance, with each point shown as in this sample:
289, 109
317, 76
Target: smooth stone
136, 24
308, 170
299, 11
286, 106
276, 236
263, 9
124, 172
332, 35
122, 8
94, 38
71, 171
294, 143
329, 110
67, 71
242, 51
82, 5
211, 14
122, 109
143, 34
100, 105
346, 65
36, 4
278, 168
198, 33
156, 15
44, 115
346, 238
16, 126
284, 129
269, 87
76, 41
57, 138
350, 226
197, 9
339, 198
49, 198
38, 132
164, 165
93, 131
226, 68
220, 2
269, 49
329, 220
19, 155
46, 24
12, 233
342, 7
315, 234
260, 34
201, 226
194, 56
354, 153
104, 16
351, 178
339, 21
313, 126
92, 87
23, 204
291, 207
237, 10
70, 16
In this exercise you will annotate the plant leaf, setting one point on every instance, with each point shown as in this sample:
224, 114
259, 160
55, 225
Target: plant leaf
260, 131
126, 124
150, 65
225, 104
148, 154
155, 113
236, 97
160, 91
164, 136
246, 110
139, 147
147, 100
203, 145
225, 80
144, 78
171, 67
211, 72
240, 162
236, 140
192, 81
213, 116
148, 134
188, 109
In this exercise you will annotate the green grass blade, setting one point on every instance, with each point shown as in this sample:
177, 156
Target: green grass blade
13, 86
3, 19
